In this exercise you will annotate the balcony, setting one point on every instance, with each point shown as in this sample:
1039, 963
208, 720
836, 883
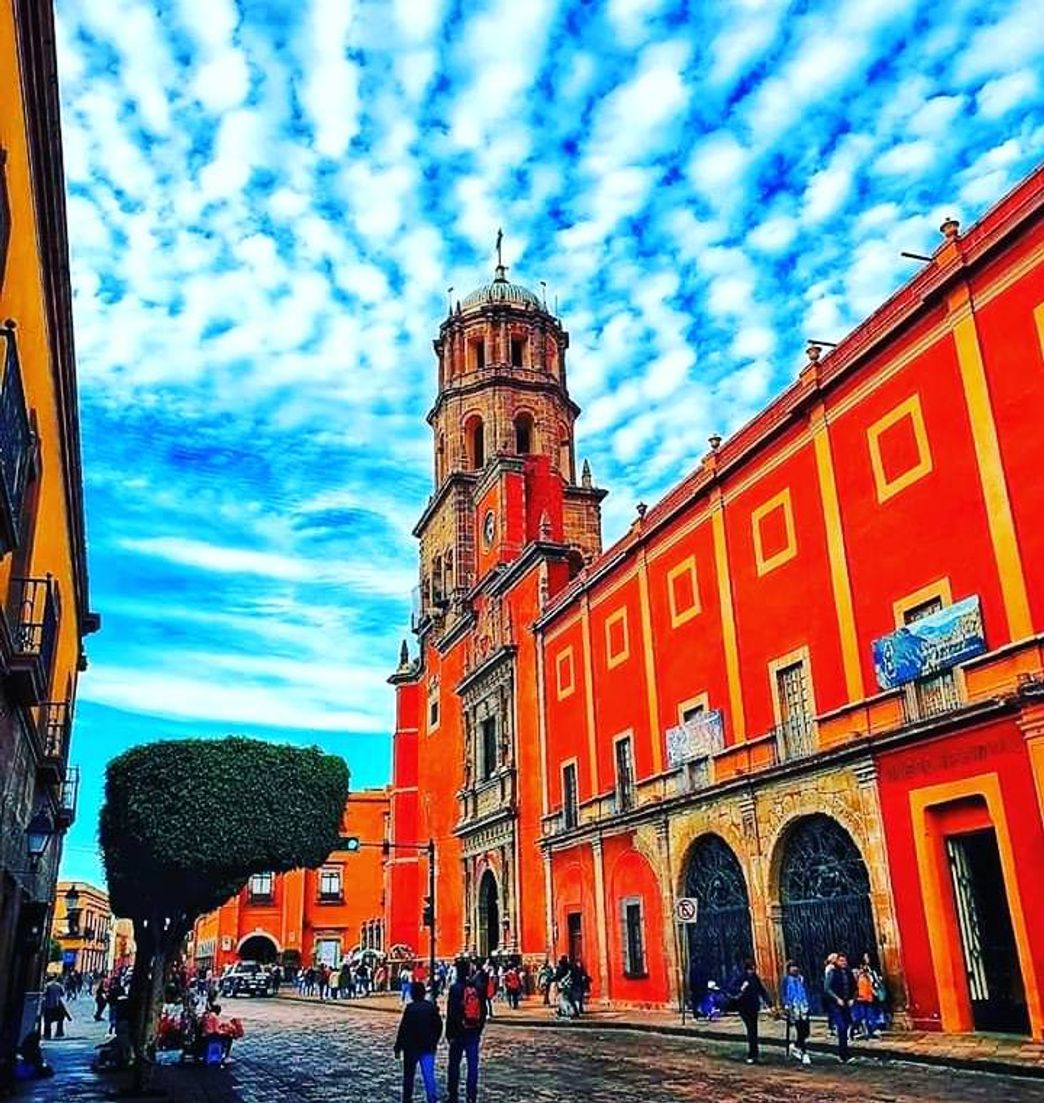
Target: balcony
260, 899
333, 897
488, 797
16, 445
795, 738
32, 625
54, 728
67, 798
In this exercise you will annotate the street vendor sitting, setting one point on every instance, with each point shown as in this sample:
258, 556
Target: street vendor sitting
217, 1035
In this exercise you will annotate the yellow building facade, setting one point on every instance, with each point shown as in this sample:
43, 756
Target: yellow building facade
44, 610
83, 926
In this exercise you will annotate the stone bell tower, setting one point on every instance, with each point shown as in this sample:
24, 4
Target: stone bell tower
502, 409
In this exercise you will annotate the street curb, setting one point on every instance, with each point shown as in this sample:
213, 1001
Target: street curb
878, 1053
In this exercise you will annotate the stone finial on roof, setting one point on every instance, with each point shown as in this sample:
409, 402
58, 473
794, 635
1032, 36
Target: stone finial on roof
950, 229
404, 656
585, 476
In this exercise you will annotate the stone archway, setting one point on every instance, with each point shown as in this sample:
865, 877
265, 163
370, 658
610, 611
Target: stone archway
824, 895
259, 946
488, 914
720, 940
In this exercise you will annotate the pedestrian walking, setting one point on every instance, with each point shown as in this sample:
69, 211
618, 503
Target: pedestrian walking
794, 997
99, 1002
465, 1020
544, 979
54, 1010
841, 990
512, 987
416, 1042
749, 997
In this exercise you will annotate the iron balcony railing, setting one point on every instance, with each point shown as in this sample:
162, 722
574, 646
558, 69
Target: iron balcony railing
795, 738
16, 444
33, 621
56, 724
68, 796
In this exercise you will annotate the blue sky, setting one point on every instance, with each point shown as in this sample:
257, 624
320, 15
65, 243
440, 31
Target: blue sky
269, 199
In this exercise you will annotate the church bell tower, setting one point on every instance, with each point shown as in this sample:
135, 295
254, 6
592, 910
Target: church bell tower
503, 433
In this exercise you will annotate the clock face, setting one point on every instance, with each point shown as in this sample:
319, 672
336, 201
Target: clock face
489, 527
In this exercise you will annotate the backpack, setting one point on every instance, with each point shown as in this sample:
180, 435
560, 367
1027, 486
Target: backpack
471, 1008
491, 986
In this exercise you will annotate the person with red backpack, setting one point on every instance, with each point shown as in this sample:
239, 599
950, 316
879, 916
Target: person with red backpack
512, 986
465, 1020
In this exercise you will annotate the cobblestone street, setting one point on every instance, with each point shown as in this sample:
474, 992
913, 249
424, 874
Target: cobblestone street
310, 1052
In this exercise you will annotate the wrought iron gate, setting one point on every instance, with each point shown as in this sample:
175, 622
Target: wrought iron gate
720, 940
825, 895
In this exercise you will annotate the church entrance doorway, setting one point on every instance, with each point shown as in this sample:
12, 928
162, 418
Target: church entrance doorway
824, 890
720, 940
488, 914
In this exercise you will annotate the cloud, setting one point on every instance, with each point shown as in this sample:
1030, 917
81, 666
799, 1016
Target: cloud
267, 203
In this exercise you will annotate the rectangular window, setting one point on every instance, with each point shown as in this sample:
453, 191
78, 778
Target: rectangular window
330, 884
633, 937
937, 693
488, 730
570, 797
517, 349
261, 886
795, 714
480, 354
624, 774
690, 712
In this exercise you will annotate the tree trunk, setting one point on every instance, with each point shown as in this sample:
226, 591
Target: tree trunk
150, 970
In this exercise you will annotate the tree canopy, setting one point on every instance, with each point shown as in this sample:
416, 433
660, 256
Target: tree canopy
186, 822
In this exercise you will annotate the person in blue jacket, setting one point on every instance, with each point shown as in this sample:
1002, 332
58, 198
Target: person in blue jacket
793, 995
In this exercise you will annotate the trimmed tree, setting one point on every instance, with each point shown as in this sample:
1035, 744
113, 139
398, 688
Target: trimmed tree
186, 822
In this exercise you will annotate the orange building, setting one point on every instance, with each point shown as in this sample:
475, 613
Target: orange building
307, 915
44, 610
805, 689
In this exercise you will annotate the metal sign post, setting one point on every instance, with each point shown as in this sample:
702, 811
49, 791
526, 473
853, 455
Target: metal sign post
686, 910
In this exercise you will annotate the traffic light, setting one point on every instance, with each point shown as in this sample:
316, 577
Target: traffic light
428, 916
350, 843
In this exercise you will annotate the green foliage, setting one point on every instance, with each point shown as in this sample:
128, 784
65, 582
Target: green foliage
186, 822
54, 950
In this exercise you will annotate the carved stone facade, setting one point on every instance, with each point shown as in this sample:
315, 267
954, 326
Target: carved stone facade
488, 797
755, 822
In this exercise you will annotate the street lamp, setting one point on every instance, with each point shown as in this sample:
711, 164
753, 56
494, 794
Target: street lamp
37, 836
72, 910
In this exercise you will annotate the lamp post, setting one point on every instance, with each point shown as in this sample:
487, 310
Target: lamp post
72, 910
37, 835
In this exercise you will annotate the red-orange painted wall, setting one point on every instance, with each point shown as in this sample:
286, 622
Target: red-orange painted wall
888, 544
295, 918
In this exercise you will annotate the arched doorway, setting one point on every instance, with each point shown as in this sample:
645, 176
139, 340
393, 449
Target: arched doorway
488, 914
824, 890
258, 947
720, 940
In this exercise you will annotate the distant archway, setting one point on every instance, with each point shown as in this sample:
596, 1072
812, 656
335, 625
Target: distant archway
259, 947
488, 914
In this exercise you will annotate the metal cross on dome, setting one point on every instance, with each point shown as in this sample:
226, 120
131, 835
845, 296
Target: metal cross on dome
500, 242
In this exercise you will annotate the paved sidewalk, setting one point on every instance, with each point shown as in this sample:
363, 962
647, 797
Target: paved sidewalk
997, 1053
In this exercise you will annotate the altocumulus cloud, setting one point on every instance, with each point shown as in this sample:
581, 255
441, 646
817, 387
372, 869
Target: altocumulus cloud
268, 200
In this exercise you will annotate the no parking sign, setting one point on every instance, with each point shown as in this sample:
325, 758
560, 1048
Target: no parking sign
685, 909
